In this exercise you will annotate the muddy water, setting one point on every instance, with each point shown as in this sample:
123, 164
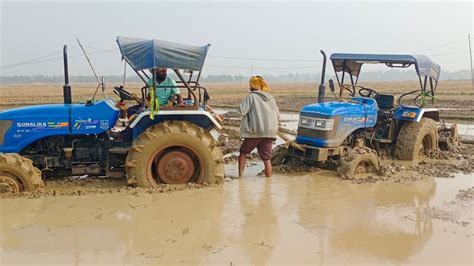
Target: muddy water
305, 218
285, 219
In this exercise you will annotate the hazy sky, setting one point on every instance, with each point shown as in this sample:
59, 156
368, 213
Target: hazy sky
268, 30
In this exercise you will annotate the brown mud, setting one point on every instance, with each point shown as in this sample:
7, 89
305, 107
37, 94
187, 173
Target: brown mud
310, 218
76, 186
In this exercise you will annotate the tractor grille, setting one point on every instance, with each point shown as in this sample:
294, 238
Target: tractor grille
314, 132
4, 127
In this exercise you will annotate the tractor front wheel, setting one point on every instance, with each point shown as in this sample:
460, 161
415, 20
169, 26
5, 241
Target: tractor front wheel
17, 174
174, 152
358, 163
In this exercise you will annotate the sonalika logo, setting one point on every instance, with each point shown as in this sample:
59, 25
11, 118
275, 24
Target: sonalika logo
31, 124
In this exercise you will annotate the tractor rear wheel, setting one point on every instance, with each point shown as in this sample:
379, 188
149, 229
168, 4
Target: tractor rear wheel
174, 152
358, 164
415, 139
17, 174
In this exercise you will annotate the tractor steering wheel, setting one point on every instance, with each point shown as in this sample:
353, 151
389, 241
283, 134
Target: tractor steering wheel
125, 95
366, 92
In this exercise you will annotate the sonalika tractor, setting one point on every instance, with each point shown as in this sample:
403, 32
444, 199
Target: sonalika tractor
161, 144
356, 132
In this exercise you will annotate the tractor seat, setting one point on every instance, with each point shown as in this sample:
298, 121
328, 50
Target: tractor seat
386, 101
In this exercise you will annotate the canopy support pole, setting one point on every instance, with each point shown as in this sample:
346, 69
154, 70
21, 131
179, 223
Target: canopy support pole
187, 86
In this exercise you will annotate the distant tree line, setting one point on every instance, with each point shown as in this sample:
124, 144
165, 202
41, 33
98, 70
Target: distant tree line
377, 75
42, 79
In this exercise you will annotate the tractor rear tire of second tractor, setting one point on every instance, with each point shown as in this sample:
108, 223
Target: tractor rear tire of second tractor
174, 152
415, 139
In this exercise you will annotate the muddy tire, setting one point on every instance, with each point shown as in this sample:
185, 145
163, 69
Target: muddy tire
280, 155
416, 138
17, 174
448, 138
174, 152
357, 163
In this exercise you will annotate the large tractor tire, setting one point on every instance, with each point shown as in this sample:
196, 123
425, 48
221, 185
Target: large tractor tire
415, 139
174, 152
359, 163
17, 174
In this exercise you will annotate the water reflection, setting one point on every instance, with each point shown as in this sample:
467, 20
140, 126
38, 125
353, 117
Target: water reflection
382, 221
174, 228
284, 219
259, 230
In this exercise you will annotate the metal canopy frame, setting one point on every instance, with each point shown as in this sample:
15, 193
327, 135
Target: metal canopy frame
191, 83
428, 72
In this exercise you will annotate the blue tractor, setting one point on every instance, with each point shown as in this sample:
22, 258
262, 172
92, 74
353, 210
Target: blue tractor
160, 144
358, 130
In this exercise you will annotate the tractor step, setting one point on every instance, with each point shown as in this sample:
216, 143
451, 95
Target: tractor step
119, 150
387, 141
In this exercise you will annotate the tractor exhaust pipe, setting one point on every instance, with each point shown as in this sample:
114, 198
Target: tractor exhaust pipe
322, 87
66, 87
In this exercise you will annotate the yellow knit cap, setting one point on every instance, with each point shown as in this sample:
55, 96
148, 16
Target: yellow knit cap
258, 83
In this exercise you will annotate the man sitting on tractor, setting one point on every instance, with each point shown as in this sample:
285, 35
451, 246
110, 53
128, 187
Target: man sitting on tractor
165, 87
165, 91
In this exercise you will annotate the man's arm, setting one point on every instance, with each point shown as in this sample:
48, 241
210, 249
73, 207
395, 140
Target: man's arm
277, 110
175, 91
245, 105
179, 98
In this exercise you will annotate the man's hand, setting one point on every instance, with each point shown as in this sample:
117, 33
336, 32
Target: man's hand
180, 100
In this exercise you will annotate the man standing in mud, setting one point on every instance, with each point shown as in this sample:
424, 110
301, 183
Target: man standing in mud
259, 125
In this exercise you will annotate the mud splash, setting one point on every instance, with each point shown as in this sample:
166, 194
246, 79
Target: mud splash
76, 186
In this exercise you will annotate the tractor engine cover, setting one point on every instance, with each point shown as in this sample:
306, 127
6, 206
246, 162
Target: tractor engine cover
328, 124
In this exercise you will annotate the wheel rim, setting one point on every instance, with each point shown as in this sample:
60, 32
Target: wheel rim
9, 184
364, 167
175, 165
361, 168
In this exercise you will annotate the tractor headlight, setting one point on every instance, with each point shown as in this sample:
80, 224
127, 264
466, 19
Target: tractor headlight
306, 122
409, 114
316, 123
320, 123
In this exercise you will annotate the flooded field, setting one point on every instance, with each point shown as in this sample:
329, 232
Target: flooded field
312, 218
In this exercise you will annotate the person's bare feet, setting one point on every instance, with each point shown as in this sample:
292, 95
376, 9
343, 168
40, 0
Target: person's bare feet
242, 159
268, 168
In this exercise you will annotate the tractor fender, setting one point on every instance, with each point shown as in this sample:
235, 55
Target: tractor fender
414, 114
199, 117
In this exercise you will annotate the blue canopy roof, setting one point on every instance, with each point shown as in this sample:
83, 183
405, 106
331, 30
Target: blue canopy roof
150, 54
423, 65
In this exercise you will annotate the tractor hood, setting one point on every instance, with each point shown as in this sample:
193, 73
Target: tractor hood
22, 126
328, 124
338, 108
52, 111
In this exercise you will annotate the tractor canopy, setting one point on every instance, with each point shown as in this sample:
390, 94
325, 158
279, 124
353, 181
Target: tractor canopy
428, 71
352, 63
143, 54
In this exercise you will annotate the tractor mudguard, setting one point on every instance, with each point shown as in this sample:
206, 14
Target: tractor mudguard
199, 117
415, 114
25, 125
